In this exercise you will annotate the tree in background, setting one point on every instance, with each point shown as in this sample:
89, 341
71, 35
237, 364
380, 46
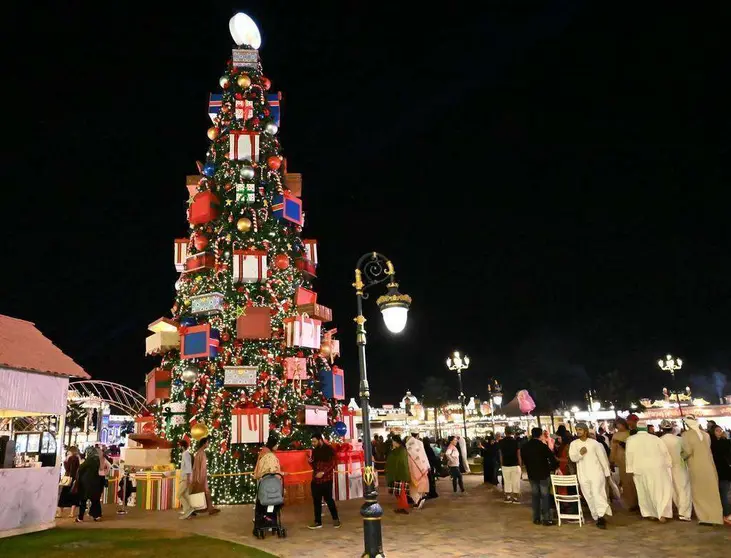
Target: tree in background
250, 354
75, 418
615, 390
434, 395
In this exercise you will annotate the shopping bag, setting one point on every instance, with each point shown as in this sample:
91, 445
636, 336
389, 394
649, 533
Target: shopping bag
198, 501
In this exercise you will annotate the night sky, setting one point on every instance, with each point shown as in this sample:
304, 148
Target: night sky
549, 178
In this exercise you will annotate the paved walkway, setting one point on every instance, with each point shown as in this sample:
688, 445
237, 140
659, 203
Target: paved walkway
470, 525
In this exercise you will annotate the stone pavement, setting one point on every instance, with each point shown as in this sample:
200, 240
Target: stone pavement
470, 525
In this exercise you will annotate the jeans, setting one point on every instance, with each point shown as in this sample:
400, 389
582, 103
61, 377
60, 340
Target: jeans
456, 478
723, 488
323, 491
541, 499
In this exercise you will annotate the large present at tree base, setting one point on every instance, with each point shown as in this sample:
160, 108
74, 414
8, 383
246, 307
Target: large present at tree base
245, 58
313, 415
288, 208
250, 266
249, 426
348, 477
244, 146
254, 323
333, 383
240, 376
157, 384
164, 337
199, 261
296, 464
317, 311
181, 253
204, 208
205, 304
274, 100
302, 331
155, 490
199, 341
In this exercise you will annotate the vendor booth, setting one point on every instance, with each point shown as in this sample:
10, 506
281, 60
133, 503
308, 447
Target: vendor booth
34, 378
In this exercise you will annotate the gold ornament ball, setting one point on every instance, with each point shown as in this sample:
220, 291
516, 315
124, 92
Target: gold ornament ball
325, 349
199, 431
243, 81
244, 224
212, 133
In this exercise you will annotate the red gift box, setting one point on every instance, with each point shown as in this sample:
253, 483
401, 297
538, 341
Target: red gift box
157, 384
181, 253
317, 311
295, 462
307, 268
201, 260
295, 368
204, 208
349, 420
304, 296
310, 246
249, 426
254, 323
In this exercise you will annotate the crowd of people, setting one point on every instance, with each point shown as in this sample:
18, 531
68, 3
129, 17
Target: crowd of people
83, 482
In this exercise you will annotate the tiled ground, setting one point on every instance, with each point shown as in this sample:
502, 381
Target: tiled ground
471, 525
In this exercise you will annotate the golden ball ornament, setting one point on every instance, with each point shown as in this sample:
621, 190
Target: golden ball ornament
243, 81
325, 350
212, 133
199, 431
243, 224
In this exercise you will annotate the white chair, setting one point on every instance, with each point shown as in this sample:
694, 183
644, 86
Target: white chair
567, 481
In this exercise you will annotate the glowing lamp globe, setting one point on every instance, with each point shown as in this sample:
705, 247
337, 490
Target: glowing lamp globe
244, 31
595, 406
395, 318
498, 399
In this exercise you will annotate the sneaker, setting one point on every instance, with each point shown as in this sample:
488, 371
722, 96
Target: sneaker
683, 518
336, 524
507, 501
548, 523
421, 503
601, 523
514, 501
97, 519
79, 520
315, 526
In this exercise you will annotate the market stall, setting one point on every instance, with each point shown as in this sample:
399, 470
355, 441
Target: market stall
34, 378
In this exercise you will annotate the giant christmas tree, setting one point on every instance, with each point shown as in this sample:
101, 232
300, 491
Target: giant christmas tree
245, 352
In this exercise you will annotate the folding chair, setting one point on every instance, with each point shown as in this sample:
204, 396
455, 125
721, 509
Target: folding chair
567, 481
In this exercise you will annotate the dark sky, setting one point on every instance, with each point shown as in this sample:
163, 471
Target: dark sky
549, 178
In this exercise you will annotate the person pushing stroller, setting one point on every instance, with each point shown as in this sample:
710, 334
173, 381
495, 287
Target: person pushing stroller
269, 491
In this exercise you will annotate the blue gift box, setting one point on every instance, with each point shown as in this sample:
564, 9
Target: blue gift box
215, 100
199, 341
274, 99
333, 383
288, 207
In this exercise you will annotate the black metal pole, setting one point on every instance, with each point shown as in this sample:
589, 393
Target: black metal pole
371, 510
461, 400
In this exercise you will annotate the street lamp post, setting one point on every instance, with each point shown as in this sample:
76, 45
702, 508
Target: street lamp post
496, 398
372, 269
671, 364
457, 363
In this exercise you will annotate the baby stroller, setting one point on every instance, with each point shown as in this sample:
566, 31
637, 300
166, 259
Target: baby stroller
269, 502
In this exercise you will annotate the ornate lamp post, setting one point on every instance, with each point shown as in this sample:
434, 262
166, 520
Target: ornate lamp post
495, 392
457, 363
671, 364
374, 268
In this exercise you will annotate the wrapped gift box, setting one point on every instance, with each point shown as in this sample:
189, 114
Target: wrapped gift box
240, 376
317, 311
348, 477
145, 457
313, 415
254, 323
199, 261
249, 266
249, 426
333, 383
199, 341
287, 207
307, 268
164, 337
295, 368
215, 102
293, 183
204, 208
181, 253
350, 424
245, 58
145, 425
192, 183
245, 193
244, 146
295, 462
156, 490
157, 384
174, 413
243, 109
304, 296
302, 331
274, 100
205, 304
310, 246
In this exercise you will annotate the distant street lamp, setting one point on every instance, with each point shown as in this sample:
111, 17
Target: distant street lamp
671, 364
457, 363
495, 391
374, 268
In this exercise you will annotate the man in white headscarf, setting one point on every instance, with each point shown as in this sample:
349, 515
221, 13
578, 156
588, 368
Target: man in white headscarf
703, 475
593, 469
649, 462
681, 480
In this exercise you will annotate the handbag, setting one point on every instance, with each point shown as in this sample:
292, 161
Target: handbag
397, 487
198, 501
65, 481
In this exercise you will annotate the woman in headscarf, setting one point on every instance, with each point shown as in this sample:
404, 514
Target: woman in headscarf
88, 485
489, 452
419, 467
267, 463
435, 466
200, 475
397, 473
67, 498
565, 465
617, 457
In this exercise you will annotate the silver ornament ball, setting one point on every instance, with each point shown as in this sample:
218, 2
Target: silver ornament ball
247, 172
178, 284
190, 374
271, 129
223, 81
226, 255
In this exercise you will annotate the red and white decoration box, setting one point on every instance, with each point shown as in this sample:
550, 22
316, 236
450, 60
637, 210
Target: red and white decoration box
181, 253
348, 477
313, 415
244, 146
349, 421
302, 331
244, 110
249, 426
203, 209
250, 266
295, 368
310, 250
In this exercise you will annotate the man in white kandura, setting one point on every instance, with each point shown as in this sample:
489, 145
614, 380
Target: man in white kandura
681, 479
593, 468
649, 462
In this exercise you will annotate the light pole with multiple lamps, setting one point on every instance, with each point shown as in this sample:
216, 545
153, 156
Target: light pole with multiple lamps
457, 363
495, 392
671, 364
373, 269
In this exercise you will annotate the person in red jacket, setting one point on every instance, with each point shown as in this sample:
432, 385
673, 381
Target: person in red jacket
323, 463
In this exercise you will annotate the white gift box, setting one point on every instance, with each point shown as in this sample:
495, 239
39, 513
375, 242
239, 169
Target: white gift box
313, 415
240, 376
146, 458
209, 303
249, 426
181, 253
310, 246
249, 266
244, 109
244, 146
302, 331
176, 412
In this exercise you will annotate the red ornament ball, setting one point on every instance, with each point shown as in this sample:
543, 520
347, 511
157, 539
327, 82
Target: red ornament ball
200, 241
274, 162
266, 82
225, 336
281, 261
